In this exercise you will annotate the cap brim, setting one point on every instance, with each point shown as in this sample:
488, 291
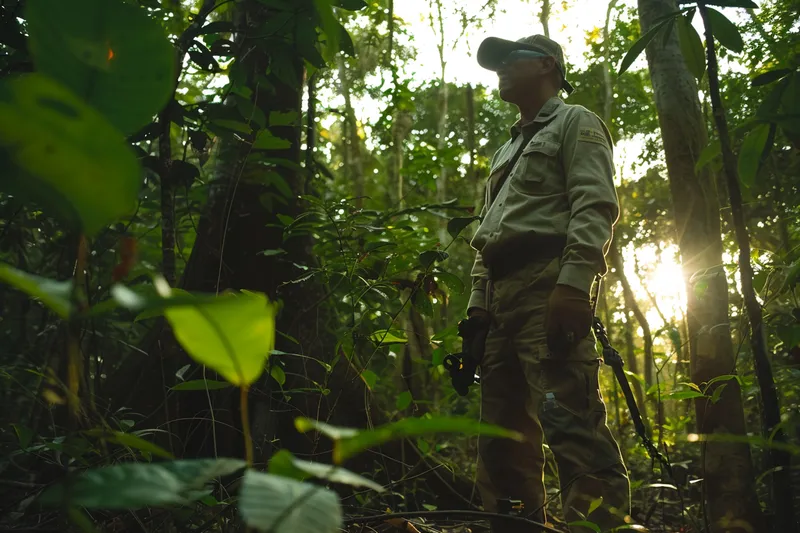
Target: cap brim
493, 50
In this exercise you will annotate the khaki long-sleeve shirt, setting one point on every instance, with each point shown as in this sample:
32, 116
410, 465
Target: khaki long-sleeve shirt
561, 186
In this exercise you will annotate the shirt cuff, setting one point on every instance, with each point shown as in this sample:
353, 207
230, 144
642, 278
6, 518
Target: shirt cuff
579, 276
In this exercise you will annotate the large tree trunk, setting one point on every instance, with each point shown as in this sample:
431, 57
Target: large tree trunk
354, 165
729, 485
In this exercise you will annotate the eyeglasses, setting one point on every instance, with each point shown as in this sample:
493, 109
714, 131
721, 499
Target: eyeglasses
516, 55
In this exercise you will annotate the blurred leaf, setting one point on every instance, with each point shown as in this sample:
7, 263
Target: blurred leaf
110, 52
232, 334
403, 400
691, 47
733, 3
765, 78
445, 333
54, 294
639, 46
328, 23
348, 442
265, 140
383, 336
718, 393
282, 505
201, 384
63, 154
137, 485
278, 374
596, 503
131, 441
25, 435
282, 118
350, 5
725, 31
429, 257
456, 225
233, 125
452, 281
750, 154
585, 523
709, 153
370, 378
682, 395
283, 463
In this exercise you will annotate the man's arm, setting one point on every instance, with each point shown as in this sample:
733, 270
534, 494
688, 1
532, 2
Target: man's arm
594, 206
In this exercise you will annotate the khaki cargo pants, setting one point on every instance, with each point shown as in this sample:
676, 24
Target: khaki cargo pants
552, 398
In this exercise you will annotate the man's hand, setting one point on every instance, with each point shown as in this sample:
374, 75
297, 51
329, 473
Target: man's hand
568, 319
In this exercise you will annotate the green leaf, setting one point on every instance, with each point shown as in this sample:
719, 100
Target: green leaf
278, 374
682, 395
283, 118
131, 441
456, 225
725, 31
137, 485
403, 400
383, 336
61, 153
370, 378
265, 140
232, 334
24, 435
596, 503
328, 23
765, 78
201, 384
233, 125
718, 393
427, 258
350, 5
691, 47
282, 505
283, 463
452, 281
733, 3
709, 153
109, 52
54, 294
585, 523
750, 154
304, 425
639, 46
348, 442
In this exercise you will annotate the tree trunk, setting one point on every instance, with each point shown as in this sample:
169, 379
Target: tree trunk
731, 504
354, 165
544, 17
780, 463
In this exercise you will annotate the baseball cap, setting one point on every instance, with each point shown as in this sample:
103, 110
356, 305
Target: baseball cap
494, 50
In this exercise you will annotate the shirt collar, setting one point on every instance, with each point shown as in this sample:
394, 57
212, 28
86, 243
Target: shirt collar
549, 110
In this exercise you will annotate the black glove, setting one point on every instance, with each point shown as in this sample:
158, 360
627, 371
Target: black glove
568, 319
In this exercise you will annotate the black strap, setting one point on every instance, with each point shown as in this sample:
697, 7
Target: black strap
612, 358
526, 138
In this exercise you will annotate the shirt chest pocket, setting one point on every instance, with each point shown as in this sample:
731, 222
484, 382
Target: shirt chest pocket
538, 171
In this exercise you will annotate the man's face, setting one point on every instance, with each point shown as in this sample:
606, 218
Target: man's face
520, 77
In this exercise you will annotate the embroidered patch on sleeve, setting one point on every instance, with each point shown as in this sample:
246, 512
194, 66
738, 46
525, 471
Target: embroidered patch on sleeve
592, 135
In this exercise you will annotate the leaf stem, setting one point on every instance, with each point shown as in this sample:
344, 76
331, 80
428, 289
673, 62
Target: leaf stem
248, 439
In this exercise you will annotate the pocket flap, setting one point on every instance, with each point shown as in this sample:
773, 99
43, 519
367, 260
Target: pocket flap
548, 148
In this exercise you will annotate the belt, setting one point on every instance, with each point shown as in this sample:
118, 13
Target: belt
511, 261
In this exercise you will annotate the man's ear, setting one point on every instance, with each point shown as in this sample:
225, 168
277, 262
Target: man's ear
548, 64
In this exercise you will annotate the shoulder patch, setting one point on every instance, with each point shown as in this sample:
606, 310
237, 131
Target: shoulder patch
592, 135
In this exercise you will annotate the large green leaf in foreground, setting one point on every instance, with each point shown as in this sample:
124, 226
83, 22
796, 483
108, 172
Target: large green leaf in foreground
137, 485
233, 334
61, 153
109, 52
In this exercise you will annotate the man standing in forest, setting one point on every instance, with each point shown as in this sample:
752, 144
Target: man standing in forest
548, 216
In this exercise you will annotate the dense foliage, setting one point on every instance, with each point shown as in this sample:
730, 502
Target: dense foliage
228, 290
